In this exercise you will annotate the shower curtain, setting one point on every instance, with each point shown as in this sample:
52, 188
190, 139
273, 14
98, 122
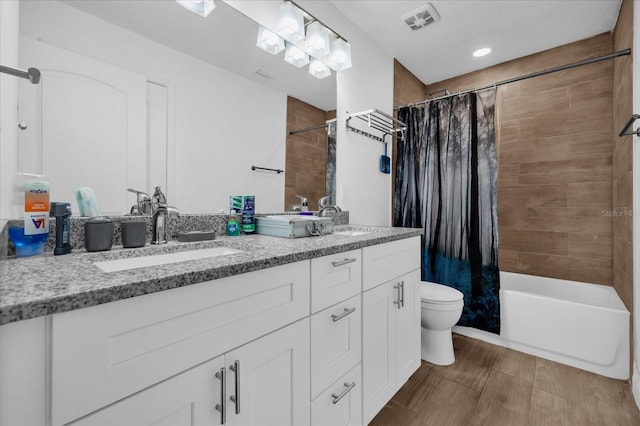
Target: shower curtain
446, 183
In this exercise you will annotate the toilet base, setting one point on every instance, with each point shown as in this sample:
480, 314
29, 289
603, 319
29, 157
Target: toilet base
437, 346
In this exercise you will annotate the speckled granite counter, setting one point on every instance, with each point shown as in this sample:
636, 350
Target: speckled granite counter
47, 284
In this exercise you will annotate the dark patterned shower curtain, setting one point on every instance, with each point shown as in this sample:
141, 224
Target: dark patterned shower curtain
446, 183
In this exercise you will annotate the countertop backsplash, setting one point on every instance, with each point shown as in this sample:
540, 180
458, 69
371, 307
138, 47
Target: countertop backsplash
184, 223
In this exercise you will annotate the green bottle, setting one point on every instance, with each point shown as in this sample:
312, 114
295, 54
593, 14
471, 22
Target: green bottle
233, 228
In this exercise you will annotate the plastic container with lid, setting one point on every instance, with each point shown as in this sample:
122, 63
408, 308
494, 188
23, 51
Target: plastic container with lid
31, 202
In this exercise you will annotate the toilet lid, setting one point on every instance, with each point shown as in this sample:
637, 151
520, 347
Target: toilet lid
438, 293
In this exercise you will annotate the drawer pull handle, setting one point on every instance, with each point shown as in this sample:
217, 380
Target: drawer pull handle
402, 294
221, 375
399, 301
347, 311
236, 398
344, 262
348, 386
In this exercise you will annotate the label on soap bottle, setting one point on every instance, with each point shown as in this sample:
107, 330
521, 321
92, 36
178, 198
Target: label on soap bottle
36, 207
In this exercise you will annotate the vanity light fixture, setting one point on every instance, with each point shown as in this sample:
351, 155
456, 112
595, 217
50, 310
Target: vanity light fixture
319, 69
482, 52
269, 42
317, 40
340, 58
321, 45
290, 23
201, 7
295, 56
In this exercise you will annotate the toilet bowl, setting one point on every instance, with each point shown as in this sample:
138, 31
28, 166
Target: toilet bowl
441, 307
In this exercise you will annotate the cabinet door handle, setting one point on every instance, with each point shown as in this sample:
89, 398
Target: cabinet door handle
347, 311
402, 293
344, 262
348, 386
399, 301
221, 375
236, 398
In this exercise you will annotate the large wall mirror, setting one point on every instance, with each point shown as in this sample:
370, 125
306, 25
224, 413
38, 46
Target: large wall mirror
145, 93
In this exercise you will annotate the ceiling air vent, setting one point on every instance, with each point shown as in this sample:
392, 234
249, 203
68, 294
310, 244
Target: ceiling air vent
421, 17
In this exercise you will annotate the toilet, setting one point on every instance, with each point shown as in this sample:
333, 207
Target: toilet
440, 309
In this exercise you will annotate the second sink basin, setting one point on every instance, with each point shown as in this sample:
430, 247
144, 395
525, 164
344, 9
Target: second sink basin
163, 259
351, 233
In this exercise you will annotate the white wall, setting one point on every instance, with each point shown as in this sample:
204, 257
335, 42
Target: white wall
361, 187
219, 123
635, 378
8, 100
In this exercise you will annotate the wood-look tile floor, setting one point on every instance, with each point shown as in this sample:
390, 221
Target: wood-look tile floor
490, 385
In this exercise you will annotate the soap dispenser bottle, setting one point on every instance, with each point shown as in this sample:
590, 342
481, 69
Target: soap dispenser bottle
304, 203
233, 228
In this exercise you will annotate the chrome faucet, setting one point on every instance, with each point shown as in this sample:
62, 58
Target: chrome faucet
159, 222
329, 209
143, 203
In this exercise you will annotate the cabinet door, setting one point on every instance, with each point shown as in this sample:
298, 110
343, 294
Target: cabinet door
336, 336
341, 403
188, 399
408, 327
378, 348
269, 379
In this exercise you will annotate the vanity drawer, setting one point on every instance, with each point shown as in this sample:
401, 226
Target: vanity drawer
341, 403
384, 262
106, 352
335, 342
335, 278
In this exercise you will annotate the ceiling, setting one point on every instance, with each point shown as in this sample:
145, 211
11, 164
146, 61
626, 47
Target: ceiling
511, 28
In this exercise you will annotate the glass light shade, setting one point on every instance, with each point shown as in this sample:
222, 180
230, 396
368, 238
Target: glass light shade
290, 23
318, 69
340, 58
201, 7
317, 41
295, 56
269, 41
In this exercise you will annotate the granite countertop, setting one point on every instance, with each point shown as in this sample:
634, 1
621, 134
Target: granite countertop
47, 284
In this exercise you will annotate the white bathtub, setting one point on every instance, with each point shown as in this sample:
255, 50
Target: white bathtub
578, 324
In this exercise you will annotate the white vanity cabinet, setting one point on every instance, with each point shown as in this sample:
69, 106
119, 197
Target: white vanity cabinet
265, 382
391, 321
183, 400
104, 353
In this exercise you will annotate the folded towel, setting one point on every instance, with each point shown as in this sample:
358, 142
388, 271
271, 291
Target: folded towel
87, 204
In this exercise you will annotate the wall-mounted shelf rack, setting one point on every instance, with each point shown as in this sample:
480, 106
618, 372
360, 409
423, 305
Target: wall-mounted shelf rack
376, 120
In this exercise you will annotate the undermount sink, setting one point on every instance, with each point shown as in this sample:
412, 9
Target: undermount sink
351, 233
163, 259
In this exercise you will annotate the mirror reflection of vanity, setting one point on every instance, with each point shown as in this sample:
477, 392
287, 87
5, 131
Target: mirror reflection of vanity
189, 111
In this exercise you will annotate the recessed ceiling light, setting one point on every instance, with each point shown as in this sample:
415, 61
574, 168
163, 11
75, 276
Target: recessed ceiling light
482, 52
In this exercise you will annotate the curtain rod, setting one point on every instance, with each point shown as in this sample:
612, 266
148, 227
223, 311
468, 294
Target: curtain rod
526, 76
319, 126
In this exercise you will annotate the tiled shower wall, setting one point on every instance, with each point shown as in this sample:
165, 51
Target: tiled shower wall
554, 143
306, 154
622, 158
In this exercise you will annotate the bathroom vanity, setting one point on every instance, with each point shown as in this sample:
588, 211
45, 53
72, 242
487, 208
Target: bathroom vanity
320, 331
